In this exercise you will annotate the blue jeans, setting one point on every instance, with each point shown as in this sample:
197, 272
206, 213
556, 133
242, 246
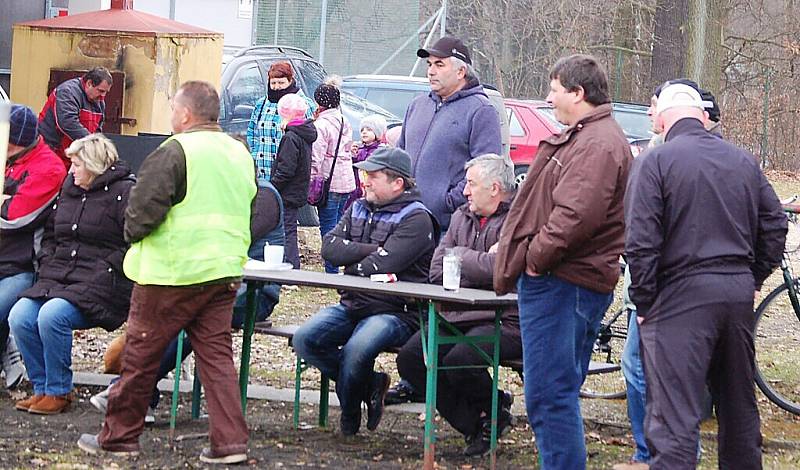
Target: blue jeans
329, 216
559, 323
10, 288
344, 348
636, 389
43, 330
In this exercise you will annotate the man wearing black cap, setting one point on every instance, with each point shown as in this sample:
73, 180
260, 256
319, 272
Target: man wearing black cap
33, 177
451, 125
388, 231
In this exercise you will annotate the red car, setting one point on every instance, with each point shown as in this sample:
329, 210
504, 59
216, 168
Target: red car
530, 121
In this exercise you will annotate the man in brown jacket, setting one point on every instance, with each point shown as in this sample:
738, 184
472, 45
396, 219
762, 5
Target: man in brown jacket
560, 246
465, 395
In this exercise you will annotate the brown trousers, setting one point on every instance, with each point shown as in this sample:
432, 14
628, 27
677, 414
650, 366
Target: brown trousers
156, 316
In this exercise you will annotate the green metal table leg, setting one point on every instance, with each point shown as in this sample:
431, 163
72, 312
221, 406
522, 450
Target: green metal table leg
173, 412
196, 388
247, 336
298, 371
430, 392
495, 379
324, 391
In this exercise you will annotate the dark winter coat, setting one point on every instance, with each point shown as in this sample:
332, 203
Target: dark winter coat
397, 238
291, 170
33, 178
698, 205
471, 243
83, 249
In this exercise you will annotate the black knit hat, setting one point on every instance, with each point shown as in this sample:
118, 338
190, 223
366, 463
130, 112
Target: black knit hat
327, 96
23, 126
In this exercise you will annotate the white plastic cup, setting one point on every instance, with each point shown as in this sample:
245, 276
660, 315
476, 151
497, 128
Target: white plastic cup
273, 254
451, 271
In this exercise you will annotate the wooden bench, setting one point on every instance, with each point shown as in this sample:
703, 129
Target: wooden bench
266, 328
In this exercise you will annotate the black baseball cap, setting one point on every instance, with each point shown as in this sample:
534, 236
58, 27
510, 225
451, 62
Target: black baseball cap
391, 158
447, 46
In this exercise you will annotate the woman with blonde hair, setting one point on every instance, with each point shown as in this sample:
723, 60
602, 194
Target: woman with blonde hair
80, 280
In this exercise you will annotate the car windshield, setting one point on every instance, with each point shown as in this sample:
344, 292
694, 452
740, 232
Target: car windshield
394, 101
312, 75
365, 107
551, 117
635, 124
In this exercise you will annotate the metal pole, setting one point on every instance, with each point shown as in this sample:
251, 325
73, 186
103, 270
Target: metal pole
277, 15
322, 27
427, 41
48, 5
5, 110
172, 9
254, 24
765, 120
443, 24
408, 41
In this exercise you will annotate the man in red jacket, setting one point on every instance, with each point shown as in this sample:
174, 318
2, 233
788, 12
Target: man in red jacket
75, 109
33, 177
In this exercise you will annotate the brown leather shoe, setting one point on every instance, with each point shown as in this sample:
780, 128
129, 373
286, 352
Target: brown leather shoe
50, 405
23, 405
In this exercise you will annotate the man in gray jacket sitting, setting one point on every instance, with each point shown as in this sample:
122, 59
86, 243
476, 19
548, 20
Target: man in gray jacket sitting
465, 395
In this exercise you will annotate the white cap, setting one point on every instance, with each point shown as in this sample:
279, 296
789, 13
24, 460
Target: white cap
678, 94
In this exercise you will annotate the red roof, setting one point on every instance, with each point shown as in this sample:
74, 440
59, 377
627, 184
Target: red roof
123, 21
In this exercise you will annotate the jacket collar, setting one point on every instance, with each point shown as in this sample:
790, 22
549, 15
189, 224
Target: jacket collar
684, 126
27, 151
599, 112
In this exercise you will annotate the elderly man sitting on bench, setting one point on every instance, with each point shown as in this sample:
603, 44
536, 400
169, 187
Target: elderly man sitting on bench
464, 396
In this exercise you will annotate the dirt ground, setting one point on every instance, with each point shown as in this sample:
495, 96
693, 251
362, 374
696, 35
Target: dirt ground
28, 441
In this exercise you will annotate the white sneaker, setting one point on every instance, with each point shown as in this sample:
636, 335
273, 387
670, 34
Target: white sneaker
100, 401
12, 364
150, 417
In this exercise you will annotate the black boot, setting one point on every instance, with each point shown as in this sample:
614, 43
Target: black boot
374, 399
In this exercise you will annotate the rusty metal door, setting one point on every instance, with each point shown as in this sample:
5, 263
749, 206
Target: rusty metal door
113, 119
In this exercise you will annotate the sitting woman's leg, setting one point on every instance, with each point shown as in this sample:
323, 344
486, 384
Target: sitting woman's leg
23, 322
57, 319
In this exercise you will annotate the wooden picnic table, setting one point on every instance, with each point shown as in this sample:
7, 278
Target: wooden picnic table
429, 297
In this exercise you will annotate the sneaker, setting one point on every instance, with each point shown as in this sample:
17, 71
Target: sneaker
100, 401
478, 444
88, 443
375, 397
150, 417
13, 365
23, 405
50, 405
208, 456
402, 392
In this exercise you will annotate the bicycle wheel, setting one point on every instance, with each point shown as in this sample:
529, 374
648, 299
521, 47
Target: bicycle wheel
777, 343
608, 353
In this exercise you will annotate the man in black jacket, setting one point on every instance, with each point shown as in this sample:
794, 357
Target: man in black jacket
387, 231
704, 229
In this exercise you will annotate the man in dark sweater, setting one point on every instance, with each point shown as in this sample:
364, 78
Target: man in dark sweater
387, 231
704, 229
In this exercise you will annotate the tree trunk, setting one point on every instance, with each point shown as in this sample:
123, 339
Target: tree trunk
669, 40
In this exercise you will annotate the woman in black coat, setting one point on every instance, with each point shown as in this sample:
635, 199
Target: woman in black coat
80, 280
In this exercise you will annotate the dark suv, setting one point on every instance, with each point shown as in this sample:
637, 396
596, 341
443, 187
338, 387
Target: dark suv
244, 81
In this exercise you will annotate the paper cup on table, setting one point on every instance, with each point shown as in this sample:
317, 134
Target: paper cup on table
273, 255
